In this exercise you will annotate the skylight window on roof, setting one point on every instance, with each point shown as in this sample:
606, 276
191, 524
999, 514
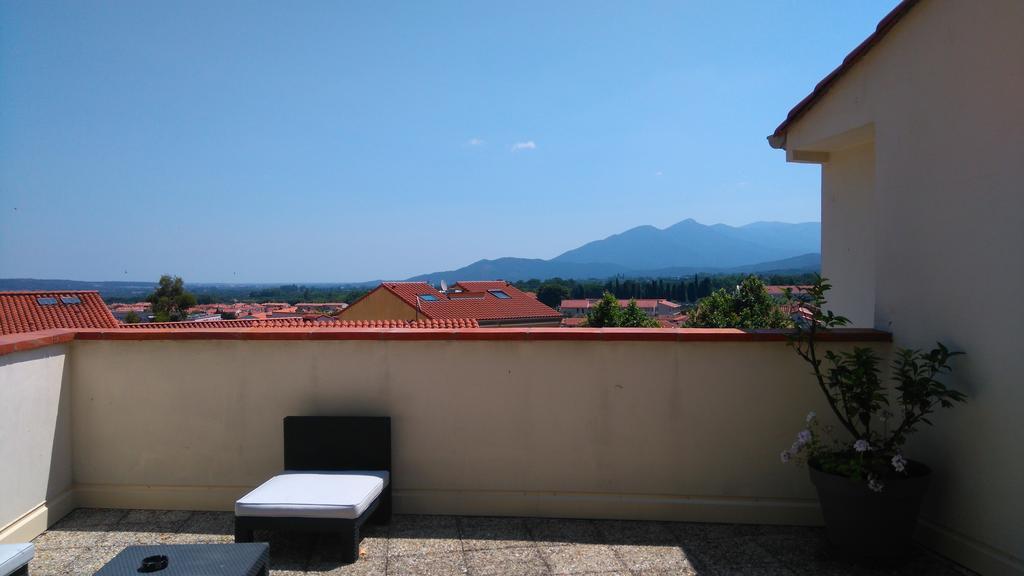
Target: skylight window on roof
427, 297
500, 294
46, 301
70, 299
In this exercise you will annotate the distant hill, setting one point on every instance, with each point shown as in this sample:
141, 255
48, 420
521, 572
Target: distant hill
685, 248
123, 289
515, 269
682, 249
135, 291
692, 244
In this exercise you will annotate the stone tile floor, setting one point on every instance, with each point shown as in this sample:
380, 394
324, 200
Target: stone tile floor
443, 545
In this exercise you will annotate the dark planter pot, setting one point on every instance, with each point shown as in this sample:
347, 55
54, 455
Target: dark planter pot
871, 527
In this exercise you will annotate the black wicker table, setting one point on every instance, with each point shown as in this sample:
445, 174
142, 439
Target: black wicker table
191, 560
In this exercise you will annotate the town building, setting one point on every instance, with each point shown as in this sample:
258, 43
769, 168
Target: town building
321, 307
122, 311
491, 303
319, 322
655, 308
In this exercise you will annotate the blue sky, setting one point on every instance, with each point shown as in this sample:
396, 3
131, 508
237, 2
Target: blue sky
343, 141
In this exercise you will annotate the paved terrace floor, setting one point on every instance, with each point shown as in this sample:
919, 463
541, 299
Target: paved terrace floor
445, 545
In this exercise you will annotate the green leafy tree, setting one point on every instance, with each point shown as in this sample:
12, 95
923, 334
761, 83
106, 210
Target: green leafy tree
633, 317
748, 306
132, 318
552, 294
170, 300
606, 313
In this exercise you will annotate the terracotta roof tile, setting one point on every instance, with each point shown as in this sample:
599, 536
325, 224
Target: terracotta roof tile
480, 303
298, 322
575, 304
21, 311
780, 290
641, 302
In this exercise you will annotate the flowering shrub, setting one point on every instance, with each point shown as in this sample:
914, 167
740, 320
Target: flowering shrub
860, 402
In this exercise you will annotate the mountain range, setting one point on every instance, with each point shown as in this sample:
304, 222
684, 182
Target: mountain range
685, 248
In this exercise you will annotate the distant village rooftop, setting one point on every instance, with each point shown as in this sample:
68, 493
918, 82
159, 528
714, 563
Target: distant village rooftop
491, 303
298, 322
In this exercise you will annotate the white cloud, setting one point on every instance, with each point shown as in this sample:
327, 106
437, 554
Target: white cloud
475, 142
528, 145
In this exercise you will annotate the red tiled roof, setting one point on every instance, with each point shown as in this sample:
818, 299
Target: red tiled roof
642, 303
480, 304
778, 138
296, 322
575, 304
780, 290
21, 311
481, 285
573, 322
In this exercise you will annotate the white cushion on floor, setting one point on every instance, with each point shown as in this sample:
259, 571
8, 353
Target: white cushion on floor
308, 494
14, 556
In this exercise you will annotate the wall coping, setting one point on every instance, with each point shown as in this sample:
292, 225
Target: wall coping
12, 343
28, 341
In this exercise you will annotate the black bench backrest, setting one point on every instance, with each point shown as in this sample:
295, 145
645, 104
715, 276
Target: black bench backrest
337, 443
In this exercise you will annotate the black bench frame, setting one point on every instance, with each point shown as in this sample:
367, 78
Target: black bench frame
332, 443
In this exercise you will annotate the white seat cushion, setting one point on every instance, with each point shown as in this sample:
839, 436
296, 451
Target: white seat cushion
309, 494
14, 556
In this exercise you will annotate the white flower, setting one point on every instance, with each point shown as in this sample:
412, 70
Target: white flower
785, 456
811, 416
861, 445
899, 462
803, 437
874, 484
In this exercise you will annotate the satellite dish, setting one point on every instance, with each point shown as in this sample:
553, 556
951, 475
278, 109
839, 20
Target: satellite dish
444, 286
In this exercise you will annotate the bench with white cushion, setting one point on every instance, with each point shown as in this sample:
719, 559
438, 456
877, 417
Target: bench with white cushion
337, 477
314, 494
14, 558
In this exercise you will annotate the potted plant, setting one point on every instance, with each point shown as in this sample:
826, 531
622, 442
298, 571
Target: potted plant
870, 492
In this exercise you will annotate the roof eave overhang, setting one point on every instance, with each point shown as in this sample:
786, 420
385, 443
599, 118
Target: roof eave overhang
778, 139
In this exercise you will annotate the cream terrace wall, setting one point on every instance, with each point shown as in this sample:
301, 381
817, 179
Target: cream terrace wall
667, 430
944, 92
35, 441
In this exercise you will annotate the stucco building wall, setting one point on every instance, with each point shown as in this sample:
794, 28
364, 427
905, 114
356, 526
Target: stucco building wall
35, 441
380, 305
941, 102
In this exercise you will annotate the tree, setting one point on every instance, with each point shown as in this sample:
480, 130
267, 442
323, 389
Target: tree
170, 300
552, 294
132, 318
748, 306
633, 317
607, 312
